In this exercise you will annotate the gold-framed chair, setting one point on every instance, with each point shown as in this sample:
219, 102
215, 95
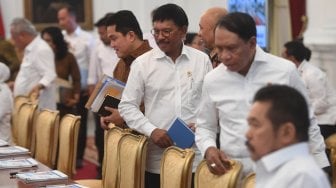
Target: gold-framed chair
249, 181
25, 120
46, 137
110, 161
67, 144
132, 160
204, 178
331, 147
18, 102
176, 167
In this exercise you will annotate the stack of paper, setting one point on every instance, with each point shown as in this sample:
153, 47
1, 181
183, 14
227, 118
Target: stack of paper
13, 150
30, 177
66, 186
17, 163
3, 143
107, 86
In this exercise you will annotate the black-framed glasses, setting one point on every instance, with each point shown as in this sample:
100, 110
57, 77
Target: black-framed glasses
164, 32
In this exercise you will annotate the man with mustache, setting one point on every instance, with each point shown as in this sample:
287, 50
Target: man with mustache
277, 139
169, 82
228, 91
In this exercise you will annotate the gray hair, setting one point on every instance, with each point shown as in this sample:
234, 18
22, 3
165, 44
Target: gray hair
20, 25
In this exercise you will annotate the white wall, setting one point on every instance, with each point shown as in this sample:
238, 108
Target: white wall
141, 9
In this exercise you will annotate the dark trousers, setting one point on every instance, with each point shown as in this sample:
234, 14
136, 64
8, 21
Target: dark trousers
99, 140
83, 112
63, 110
327, 130
153, 180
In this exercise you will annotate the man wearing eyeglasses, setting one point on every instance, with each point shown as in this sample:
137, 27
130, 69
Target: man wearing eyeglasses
169, 81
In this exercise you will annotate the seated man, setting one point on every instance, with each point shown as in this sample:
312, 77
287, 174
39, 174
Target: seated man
277, 139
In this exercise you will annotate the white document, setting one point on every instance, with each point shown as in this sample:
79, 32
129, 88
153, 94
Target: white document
29, 177
18, 163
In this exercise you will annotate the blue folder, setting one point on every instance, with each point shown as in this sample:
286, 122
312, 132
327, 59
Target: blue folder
181, 134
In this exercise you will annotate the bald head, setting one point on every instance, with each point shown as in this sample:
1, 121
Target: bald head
208, 23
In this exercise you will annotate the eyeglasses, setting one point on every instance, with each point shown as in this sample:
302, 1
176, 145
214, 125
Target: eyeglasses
164, 32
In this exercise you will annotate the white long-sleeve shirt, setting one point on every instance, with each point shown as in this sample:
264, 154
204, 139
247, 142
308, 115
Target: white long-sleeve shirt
227, 97
6, 103
292, 166
103, 60
38, 67
80, 45
168, 90
321, 94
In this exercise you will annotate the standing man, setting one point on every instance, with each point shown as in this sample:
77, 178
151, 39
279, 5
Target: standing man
277, 139
320, 92
80, 44
37, 71
169, 82
228, 91
207, 25
126, 38
103, 61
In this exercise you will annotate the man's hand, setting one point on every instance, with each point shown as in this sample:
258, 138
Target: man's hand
35, 92
217, 161
161, 138
113, 118
70, 102
90, 89
192, 126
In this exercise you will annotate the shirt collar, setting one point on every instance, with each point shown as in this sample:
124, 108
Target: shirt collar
260, 55
279, 157
77, 32
144, 47
31, 45
302, 65
185, 52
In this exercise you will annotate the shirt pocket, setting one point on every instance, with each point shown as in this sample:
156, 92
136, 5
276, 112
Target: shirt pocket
194, 93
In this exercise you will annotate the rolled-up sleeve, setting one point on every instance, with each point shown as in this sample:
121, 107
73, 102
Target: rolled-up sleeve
131, 100
46, 66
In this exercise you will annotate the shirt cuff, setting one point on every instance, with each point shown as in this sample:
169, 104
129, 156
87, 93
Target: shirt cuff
321, 159
149, 128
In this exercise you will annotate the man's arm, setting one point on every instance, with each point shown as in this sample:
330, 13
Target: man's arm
316, 141
131, 99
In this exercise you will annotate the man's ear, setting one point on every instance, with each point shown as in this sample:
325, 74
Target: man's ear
131, 35
287, 134
252, 42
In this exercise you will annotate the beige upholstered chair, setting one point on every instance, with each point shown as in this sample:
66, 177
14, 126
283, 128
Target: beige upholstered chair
176, 167
110, 161
249, 181
132, 159
67, 151
46, 137
25, 119
204, 178
331, 146
18, 102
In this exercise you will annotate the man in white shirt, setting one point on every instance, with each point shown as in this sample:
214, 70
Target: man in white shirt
37, 71
228, 91
80, 45
103, 60
169, 82
320, 92
6, 103
277, 139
